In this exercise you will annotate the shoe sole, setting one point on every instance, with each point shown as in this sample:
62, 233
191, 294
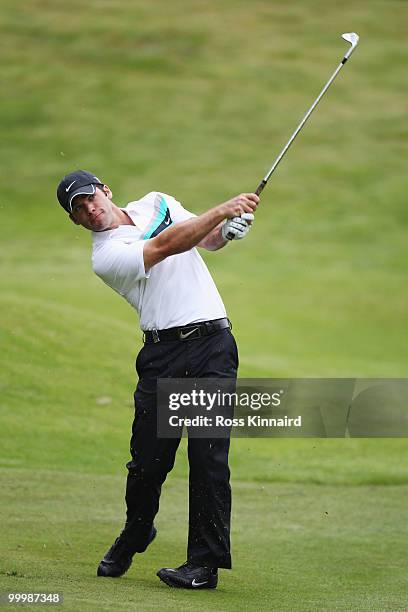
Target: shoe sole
167, 580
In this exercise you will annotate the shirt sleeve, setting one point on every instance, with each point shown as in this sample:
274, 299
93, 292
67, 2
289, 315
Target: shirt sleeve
120, 264
177, 211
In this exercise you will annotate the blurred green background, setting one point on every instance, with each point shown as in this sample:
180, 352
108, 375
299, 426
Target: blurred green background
195, 99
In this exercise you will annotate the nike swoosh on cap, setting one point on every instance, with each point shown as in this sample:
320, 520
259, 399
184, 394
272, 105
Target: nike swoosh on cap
69, 186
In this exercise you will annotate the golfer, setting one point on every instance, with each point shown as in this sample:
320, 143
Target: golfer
146, 253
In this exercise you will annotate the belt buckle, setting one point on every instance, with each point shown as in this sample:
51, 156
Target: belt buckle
155, 336
189, 334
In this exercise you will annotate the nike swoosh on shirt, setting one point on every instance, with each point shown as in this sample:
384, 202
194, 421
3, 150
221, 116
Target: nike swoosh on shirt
196, 584
162, 219
187, 334
69, 186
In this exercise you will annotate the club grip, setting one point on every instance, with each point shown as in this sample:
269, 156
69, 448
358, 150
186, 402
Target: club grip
258, 192
260, 187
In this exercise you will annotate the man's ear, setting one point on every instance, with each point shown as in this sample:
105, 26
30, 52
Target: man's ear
74, 220
107, 191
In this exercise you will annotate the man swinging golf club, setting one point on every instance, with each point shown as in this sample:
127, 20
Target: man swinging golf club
146, 252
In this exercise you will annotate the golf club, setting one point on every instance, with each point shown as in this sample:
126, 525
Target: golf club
352, 38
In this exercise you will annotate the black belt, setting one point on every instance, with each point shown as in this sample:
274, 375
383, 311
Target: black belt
192, 331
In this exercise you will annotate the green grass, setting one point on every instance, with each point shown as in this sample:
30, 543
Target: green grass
196, 99
296, 547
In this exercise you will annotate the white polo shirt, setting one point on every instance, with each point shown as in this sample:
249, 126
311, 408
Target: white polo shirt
174, 292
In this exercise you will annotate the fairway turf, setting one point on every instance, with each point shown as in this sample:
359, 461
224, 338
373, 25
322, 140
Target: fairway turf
197, 102
332, 547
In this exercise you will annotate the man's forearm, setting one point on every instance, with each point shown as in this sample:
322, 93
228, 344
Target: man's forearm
183, 236
214, 240
187, 234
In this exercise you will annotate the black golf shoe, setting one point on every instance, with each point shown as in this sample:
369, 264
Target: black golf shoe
189, 576
119, 557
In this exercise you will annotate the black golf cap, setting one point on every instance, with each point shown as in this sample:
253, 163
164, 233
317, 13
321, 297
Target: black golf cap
77, 183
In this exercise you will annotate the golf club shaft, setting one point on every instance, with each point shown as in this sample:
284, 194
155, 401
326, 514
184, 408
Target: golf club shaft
352, 38
299, 127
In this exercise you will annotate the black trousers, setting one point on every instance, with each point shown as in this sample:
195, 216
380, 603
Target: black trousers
212, 356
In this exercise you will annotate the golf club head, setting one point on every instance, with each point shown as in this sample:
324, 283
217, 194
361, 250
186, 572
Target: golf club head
352, 38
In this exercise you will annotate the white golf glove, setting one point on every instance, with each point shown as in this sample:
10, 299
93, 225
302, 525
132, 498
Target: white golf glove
237, 227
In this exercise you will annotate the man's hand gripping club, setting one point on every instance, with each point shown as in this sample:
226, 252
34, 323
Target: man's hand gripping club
238, 227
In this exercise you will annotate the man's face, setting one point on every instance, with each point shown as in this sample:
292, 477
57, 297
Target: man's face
94, 212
